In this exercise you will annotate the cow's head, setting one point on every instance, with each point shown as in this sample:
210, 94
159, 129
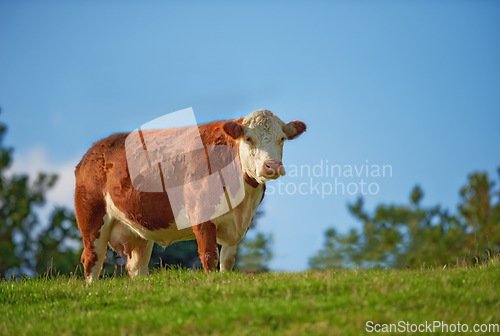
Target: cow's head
260, 137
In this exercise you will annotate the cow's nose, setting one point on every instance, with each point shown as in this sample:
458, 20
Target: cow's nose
273, 168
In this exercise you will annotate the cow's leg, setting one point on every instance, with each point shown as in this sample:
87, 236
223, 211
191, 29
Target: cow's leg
227, 257
207, 245
138, 258
95, 226
100, 248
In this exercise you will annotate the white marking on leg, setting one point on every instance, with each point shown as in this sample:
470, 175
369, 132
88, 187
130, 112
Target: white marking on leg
227, 257
137, 264
100, 248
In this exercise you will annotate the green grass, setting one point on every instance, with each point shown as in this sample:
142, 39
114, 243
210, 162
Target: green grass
311, 303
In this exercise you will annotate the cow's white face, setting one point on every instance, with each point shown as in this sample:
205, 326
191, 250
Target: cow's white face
260, 138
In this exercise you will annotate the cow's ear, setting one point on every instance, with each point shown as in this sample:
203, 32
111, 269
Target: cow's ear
233, 129
294, 128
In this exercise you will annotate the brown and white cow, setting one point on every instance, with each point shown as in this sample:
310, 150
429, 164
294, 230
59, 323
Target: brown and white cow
111, 209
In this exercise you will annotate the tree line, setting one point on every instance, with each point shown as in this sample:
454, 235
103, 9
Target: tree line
393, 235
412, 235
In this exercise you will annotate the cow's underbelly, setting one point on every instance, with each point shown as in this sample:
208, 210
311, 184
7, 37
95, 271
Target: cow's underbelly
127, 229
231, 227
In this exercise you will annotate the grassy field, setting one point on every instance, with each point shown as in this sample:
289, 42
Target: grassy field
178, 302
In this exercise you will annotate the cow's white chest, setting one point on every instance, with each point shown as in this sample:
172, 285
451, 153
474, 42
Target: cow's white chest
232, 226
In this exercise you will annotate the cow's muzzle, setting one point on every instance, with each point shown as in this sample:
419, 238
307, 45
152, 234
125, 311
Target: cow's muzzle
272, 169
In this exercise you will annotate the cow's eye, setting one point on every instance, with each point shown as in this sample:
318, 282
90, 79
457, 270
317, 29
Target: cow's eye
283, 139
249, 140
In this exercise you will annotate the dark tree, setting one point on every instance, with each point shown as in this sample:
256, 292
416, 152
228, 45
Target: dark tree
28, 246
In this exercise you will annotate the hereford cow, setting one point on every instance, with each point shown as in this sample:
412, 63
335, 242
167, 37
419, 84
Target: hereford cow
127, 200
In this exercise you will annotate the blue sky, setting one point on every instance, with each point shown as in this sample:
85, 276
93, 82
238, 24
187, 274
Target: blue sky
415, 85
